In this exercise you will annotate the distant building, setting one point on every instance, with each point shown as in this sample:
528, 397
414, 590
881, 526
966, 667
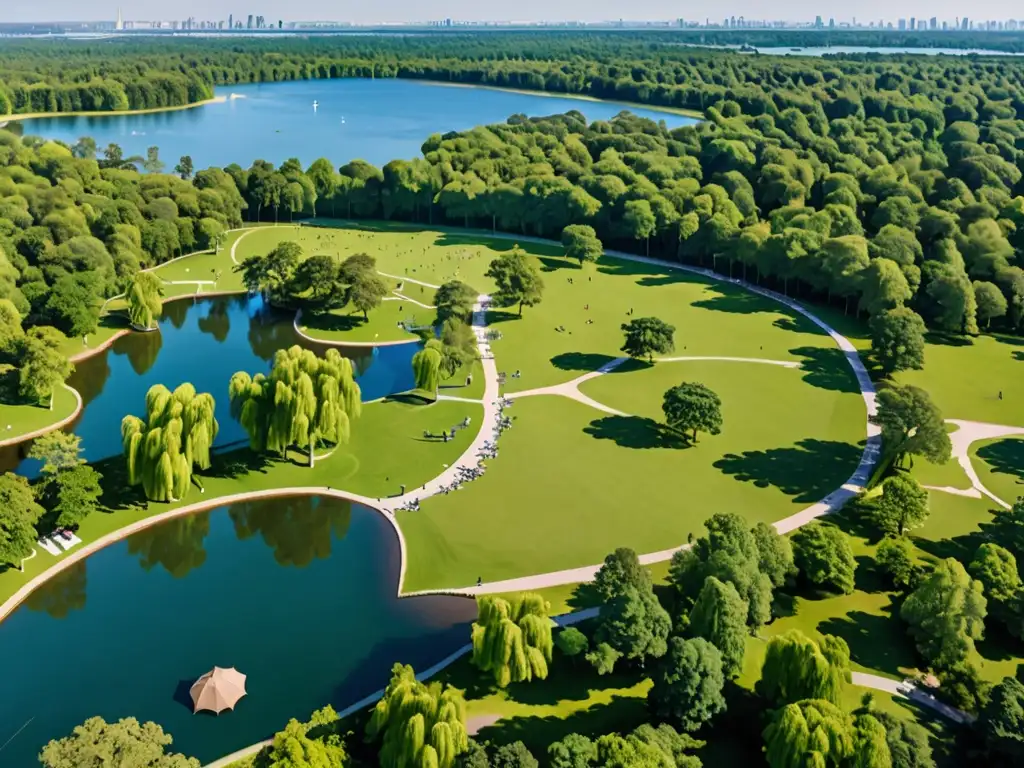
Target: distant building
901, 25
119, 24
231, 21
248, 23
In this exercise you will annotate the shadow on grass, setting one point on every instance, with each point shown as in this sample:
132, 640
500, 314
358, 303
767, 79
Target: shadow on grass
584, 362
412, 397
788, 468
326, 321
635, 432
826, 368
876, 641
495, 316
1017, 355
734, 737
948, 339
555, 264
1006, 457
738, 301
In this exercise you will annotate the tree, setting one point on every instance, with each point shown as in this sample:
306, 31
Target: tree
77, 491
367, 292
895, 556
144, 300
897, 340
153, 163
517, 279
775, 554
720, 617
692, 407
512, 639
638, 218
293, 748
273, 273
72, 305
620, 570
808, 733
95, 743
870, 747
57, 450
514, 755
19, 513
176, 437
573, 751
946, 614
903, 505
647, 335
796, 667
184, 167
603, 658
426, 367
454, 299
417, 724
990, 300
911, 425
1002, 723
647, 747
43, 364
909, 744
474, 757
304, 401
571, 642
581, 243
824, 557
688, 682
634, 624
883, 287
996, 569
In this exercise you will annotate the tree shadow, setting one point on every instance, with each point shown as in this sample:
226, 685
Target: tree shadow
495, 316
584, 596
555, 264
876, 641
326, 321
787, 468
580, 361
998, 644
1018, 355
826, 368
738, 302
947, 339
116, 492
1006, 457
959, 547
734, 737
635, 432
234, 464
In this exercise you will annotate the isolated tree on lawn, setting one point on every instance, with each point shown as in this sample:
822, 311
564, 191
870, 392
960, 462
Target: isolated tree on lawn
897, 340
417, 724
946, 614
808, 733
426, 366
688, 683
692, 407
517, 279
19, 514
720, 617
903, 505
647, 335
824, 557
911, 425
305, 400
582, 243
44, 366
175, 438
455, 299
367, 292
795, 667
512, 639
144, 300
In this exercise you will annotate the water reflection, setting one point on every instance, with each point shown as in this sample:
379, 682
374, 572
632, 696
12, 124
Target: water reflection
298, 530
61, 594
177, 545
217, 322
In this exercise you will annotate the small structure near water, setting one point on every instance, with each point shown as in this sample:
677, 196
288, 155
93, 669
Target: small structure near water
217, 690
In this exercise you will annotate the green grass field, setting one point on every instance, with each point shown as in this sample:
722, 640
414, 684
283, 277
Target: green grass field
23, 418
1000, 466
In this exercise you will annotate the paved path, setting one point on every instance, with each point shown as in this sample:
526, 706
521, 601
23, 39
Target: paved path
970, 432
407, 279
907, 689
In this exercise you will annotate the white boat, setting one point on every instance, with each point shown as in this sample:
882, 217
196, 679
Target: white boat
343, 121
315, 105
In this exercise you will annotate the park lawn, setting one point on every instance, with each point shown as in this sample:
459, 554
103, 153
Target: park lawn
22, 418
1000, 466
565, 468
385, 323
965, 379
203, 267
950, 474
387, 449
109, 326
710, 318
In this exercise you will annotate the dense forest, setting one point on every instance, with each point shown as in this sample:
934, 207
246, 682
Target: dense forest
644, 67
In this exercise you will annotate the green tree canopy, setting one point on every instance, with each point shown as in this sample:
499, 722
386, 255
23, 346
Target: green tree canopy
620, 570
1002, 723
796, 667
824, 557
19, 513
144, 295
581, 243
809, 733
455, 299
897, 340
692, 407
635, 625
647, 335
902, 506
517, 279
94, 743
946, 614
512, 639
426, 367
911, 424
688, 682
895, 556
720, 617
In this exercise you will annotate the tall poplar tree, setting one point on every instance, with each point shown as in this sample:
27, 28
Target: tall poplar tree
512, 639
144, 295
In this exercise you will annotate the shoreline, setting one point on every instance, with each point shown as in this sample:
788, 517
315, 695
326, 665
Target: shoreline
79, 405
5, 119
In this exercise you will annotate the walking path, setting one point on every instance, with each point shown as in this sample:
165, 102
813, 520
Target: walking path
335, 343
970, 432
907, 689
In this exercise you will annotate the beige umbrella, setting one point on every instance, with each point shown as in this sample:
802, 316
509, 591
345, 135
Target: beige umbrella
218, 690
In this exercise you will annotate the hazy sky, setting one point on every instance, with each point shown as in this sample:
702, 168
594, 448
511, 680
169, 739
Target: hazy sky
398, 10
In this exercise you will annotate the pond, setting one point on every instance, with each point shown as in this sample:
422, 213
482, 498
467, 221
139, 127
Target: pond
375, 120
204, 342
297, 593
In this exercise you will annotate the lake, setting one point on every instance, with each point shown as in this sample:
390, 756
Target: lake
374, 120
298, 594
838, 49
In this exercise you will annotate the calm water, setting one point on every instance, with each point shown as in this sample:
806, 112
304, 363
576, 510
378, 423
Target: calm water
832, 50
203, 342
298, 594
375, 120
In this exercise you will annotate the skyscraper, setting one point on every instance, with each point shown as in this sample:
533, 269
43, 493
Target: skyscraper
119, 24
231, 21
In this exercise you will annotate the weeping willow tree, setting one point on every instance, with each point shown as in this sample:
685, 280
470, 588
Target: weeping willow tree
144, 296
175, 437
426, 366
418, 725
305, 401
512, 639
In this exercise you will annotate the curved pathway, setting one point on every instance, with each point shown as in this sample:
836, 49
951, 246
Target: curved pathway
332, 343
50, 427
970, 432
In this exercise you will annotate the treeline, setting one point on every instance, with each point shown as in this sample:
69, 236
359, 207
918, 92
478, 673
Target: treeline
645, 67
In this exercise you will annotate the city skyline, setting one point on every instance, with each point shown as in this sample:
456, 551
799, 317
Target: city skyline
397, 11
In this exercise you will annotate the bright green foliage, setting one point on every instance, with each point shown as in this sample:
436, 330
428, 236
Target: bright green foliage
648, 747
512, 640
581, 243
903, 505
603, 658
18, 516
175, 438
125, 744
720, 617
455, 299
57, 450
517, 278
897, 340
571, 642
366, 292
692, 407
293, 748
620, 570
996, 569
77, 491
883, 287
895, 556
573, 751
418, 725
272, 274
990, 300
909, 743
635, 625
796, 667
426, 368
43, 365
304, 401
824, 557
144, 300
911, 424
1002, 723
688, 682
809, 734
514, 755
647, 335
946, 614
870, 748
775, 554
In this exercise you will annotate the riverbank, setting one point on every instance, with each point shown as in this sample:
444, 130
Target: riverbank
5, 119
